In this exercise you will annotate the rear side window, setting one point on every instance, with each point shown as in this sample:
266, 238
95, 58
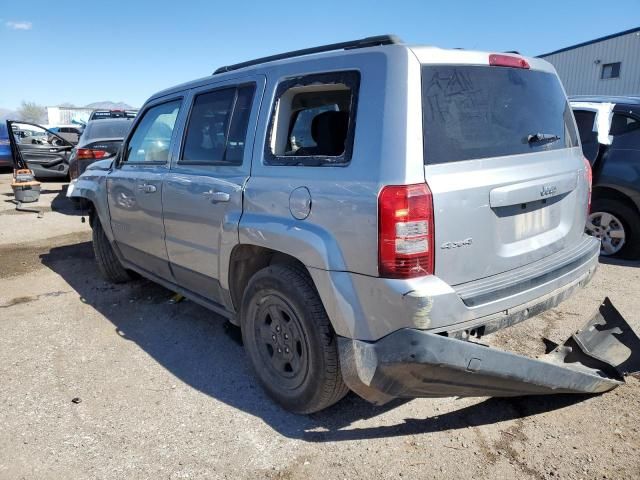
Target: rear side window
585, 121
625, 131
472, 112
217, 127
621, 124
313, 120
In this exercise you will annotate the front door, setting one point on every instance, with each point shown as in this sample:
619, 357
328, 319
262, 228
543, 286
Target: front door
45, 152
135, 189
202, 194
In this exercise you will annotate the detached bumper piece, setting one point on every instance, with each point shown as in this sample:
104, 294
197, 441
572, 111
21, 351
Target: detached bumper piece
414, 363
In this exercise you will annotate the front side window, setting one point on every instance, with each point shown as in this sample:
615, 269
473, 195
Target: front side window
610, 70
217, 127
313, 120
152, 138
625, 131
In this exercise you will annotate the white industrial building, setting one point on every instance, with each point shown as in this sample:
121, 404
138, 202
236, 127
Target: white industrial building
605, 66
67, 115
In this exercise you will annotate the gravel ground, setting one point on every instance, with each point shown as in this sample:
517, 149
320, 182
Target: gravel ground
103, 381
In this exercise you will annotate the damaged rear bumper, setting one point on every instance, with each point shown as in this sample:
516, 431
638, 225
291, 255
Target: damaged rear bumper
415, 363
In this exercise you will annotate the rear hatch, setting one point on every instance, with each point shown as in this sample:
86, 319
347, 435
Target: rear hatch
503, 163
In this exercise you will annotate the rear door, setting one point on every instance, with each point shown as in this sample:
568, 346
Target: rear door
202, 194
134, 188
503, 163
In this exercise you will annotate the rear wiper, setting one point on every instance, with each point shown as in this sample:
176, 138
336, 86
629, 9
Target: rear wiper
542, 137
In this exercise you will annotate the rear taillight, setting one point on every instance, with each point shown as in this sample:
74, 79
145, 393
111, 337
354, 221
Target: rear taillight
497, 60
89, 154
589, 174
405, 231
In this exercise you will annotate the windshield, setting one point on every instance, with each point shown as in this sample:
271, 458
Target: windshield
472, 112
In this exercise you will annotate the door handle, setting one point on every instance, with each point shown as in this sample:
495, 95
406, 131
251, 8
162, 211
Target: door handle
217, 196
146, 188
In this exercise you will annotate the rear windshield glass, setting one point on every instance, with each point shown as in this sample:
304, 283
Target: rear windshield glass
474, 112
107, 129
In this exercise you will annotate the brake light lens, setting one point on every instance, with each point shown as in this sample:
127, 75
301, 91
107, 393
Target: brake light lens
497, 60
589, 174
90, 154
405, 231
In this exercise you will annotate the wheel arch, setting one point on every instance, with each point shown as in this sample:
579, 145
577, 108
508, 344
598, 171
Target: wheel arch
246, 260
602, 192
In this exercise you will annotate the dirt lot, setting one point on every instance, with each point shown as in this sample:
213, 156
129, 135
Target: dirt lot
164, 391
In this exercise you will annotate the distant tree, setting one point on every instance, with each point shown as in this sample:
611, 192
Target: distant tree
32, 112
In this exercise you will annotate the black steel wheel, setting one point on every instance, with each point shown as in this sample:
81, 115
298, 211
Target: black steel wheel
281, 344
290, 341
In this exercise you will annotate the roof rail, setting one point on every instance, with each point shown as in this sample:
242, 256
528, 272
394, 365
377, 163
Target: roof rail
362, 43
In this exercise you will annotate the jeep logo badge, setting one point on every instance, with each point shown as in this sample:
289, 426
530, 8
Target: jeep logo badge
548, 190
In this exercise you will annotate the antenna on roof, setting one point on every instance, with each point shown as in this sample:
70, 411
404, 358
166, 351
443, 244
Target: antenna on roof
353, 44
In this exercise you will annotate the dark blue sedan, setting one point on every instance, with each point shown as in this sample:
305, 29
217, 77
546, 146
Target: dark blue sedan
5, 148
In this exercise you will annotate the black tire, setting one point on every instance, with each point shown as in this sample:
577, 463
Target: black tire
290, 341
108, 263
630, 221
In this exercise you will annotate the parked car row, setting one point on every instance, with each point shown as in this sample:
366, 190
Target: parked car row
6, 159
610, 132
64, 151
358, 241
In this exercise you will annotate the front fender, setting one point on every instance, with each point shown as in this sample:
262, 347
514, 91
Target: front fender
92, 186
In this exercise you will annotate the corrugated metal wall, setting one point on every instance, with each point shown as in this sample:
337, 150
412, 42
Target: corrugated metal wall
581, 75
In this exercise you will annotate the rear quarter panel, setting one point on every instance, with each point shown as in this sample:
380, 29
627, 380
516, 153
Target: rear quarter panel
341, 231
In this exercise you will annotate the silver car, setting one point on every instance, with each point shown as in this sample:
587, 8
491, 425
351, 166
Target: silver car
362, 211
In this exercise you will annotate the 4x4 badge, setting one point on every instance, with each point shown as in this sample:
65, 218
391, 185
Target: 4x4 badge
462, 243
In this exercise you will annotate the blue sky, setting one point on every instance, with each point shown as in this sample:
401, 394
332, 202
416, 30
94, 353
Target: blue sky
85, 51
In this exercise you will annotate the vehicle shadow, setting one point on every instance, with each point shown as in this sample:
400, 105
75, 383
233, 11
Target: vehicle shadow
61, 204
192, 343
619, 262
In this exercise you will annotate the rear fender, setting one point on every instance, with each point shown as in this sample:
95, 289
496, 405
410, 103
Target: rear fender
310, 244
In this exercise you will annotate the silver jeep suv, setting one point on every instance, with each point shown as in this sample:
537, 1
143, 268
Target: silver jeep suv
363, 211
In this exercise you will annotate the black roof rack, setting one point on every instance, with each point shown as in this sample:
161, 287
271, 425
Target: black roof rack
362, 43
